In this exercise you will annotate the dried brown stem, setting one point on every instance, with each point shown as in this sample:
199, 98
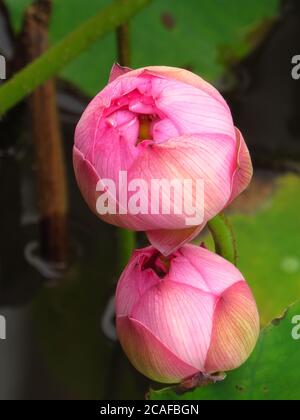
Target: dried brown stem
50, 171
123, 44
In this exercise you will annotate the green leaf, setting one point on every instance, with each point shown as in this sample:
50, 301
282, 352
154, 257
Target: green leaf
90, 71
271, 373
199, 35
268, 248
193, 34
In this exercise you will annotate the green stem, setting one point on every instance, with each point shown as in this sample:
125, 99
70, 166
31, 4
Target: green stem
50, 63
223, 235
126, 244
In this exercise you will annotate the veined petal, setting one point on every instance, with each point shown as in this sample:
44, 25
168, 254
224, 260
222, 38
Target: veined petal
191, 158
87, 178
195, 158
235, 329
243, 173
134, 281
181, 317
218, 273
183, 271
115, 149
149, 355
193, 111
164, 130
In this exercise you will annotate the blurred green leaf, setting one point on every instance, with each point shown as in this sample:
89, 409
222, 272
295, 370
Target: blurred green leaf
268, 248
198, 35
90, 71
273, 365
193, 34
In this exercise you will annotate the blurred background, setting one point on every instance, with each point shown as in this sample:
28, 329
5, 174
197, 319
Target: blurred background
58, 263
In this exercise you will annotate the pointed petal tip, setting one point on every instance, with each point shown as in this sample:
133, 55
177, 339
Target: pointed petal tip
117, 71
168, 241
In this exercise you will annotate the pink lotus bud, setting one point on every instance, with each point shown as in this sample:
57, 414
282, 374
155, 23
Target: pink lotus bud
166, 124
191, 313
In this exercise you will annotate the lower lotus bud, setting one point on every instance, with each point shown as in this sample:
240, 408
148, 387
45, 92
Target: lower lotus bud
190, 313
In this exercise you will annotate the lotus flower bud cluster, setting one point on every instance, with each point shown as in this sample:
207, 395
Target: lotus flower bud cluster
180, 308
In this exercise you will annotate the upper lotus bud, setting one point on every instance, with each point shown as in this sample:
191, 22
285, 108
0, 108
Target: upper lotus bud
190, 313
159, 124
